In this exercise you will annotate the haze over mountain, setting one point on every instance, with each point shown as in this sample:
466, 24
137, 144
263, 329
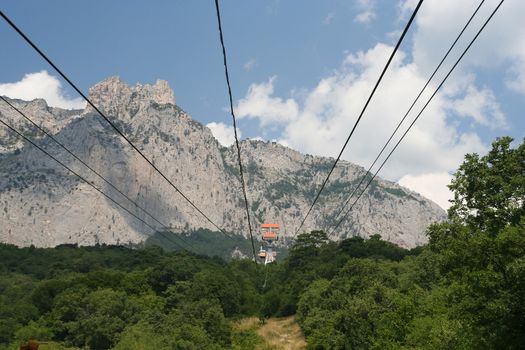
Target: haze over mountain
42, 204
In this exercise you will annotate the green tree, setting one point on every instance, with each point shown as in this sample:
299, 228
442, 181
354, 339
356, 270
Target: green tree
482, 249
142, 336
33, 330
214, 284
489, 191
93, 319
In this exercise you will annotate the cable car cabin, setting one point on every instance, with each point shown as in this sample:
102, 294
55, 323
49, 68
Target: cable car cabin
263, 253
270, 236
270, 232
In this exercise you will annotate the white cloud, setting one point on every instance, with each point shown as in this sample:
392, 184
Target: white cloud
517, 75
41, 85
501, 45
480, 105
328, 19
367, 11
223, 133
431, 186
365, 17
407, 6
320, 123
251, 64
259, 104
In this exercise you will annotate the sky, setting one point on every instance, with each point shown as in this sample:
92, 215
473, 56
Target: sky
300, 71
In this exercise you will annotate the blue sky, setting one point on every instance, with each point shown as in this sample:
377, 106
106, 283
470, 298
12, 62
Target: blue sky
300, 70
178, 41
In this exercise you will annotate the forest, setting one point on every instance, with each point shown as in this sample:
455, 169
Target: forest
465, 289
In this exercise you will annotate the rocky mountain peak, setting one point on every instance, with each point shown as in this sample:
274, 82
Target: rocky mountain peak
113, 93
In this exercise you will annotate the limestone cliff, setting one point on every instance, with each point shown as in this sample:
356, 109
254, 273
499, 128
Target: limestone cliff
42, 204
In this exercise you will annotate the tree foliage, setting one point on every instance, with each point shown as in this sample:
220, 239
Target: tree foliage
489, 191
129, 298
465, 290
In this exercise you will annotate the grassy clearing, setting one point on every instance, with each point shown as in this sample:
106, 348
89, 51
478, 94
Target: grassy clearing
274, 334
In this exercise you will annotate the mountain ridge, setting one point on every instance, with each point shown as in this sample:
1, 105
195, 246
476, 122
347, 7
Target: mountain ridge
281, 182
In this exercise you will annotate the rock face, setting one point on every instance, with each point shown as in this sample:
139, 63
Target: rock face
43, 204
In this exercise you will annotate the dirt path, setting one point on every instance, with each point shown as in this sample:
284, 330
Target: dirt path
276, 334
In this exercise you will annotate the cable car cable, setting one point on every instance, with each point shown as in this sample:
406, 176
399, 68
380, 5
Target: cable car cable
90, 168
265, 276
81, 177
342, 208
419, 114
117, 130
360, 115
237, 145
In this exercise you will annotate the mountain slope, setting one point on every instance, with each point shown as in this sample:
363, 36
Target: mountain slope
41, 204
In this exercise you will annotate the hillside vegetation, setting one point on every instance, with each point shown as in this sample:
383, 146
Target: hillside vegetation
464, 290
114, 297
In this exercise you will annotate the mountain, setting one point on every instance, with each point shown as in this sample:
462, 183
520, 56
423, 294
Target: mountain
42, 204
